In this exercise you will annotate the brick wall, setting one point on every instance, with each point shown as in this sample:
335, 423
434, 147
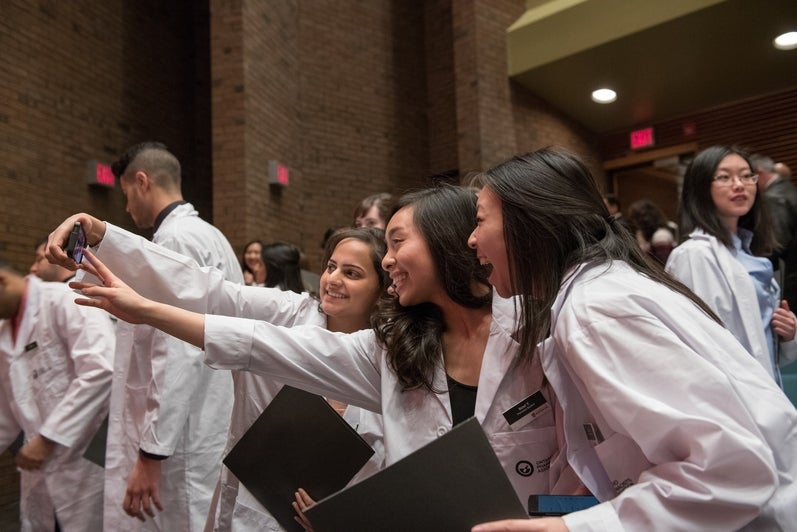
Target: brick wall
81, 81
85, 80
334, 90
355, 97
539, 125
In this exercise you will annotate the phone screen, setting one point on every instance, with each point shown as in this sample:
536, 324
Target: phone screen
547, 505
76, 243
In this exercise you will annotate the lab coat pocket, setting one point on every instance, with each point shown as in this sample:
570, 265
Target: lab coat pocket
623, 461
526, 458
49, 378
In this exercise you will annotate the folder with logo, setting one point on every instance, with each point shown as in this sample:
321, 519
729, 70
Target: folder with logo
453, 483
299, 441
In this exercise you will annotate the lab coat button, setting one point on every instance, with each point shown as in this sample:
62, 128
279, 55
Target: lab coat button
441, 431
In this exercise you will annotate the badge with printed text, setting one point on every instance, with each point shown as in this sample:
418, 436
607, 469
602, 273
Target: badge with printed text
526, 410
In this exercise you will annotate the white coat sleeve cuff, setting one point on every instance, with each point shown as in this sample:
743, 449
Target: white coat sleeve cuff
228, 342
599, 518
788, 352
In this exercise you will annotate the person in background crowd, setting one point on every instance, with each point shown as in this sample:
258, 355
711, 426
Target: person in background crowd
47, 271
723, 260
170, 414
56, 363
653, 233
781, 199
373, 211
439, 352
668, 420
282, 265
783, 170
252, 264
612, 203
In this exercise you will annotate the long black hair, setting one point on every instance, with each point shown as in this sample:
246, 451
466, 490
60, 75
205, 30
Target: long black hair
283, 267
412, 336
698, 209
554, 218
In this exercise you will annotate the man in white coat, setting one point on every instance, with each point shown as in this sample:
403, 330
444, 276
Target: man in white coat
56, 361
169, 412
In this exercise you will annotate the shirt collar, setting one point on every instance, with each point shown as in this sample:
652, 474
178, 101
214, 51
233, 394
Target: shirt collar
165, 212
743, 239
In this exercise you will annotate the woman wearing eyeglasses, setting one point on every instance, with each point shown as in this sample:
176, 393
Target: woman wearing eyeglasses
724, 258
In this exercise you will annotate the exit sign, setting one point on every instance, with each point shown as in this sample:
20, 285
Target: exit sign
278, 174
642, 138
100, 175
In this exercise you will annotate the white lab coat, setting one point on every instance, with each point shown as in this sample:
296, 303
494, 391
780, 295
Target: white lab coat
201, 289
55, 380
695, 434
352, 368
165, 401
708, 267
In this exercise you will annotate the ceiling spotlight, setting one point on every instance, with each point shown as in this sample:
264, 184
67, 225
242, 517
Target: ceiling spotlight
604, 96
786, 41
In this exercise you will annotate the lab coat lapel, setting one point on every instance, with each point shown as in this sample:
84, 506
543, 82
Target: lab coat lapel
441, 383
27, 332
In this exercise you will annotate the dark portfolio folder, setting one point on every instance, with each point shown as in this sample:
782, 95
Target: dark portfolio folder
452, 483
299, 441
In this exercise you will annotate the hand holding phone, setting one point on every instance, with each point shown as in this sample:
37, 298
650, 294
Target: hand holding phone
77, 241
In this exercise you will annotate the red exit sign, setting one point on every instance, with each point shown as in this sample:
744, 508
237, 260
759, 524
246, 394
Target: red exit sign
642, 138
278, 174
100, 175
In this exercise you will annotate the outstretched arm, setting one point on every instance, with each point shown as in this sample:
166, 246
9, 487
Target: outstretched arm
117, 298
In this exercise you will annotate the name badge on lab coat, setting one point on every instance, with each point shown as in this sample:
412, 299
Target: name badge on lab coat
527, 410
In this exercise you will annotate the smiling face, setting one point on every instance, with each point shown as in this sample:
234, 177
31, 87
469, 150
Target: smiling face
253, 255
349, 286
736, 198
409, 262
488, 241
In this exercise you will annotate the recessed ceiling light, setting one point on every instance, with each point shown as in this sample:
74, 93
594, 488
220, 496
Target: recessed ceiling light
604, 96
786, 41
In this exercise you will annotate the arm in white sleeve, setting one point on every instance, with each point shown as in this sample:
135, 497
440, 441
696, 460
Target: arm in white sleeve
345, 367
177, 374
166, 276
709, 466
90, 340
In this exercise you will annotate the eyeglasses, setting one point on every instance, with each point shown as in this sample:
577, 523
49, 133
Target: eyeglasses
725, 180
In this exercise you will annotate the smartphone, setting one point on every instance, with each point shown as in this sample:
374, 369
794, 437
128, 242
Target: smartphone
547, 505
77, 241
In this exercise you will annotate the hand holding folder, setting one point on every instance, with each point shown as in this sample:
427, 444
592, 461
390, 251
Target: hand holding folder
299, 441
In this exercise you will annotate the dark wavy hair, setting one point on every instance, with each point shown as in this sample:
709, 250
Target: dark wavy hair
698, 209
283, 268
412, 336
554, 219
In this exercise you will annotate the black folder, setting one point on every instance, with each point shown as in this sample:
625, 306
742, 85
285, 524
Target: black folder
453, 483
95, 451
299, 441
